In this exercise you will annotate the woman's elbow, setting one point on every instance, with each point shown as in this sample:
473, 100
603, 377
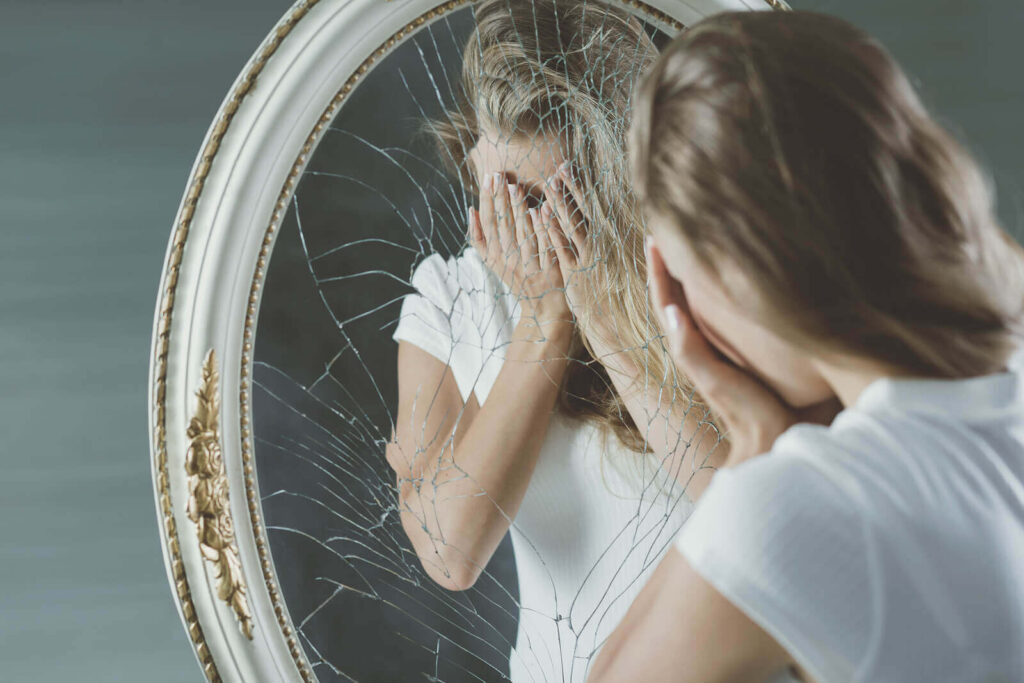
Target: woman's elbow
397, 461
448, 573
450, 570
452, 577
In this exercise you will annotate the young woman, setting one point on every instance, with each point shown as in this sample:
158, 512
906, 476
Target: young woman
814, 232
505, 422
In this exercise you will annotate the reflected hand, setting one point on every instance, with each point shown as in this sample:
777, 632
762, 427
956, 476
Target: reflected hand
566, 227
505, 233
753, 414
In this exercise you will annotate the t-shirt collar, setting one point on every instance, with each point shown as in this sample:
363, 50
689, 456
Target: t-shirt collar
975, 399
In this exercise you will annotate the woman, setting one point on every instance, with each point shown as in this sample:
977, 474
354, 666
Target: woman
503, 413
815, 231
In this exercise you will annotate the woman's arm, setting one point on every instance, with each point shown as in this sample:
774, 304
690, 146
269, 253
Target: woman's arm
463, 469
691, 449
681, 629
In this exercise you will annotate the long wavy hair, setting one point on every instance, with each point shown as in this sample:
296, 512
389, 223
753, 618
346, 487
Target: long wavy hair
793, 146
568, 69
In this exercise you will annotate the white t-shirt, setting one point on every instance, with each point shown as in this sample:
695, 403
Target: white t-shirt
888, 546
584, 546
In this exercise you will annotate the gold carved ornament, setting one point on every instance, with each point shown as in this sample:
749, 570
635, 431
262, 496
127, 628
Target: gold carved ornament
208, 497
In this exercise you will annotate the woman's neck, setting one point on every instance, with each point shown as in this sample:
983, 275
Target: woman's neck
850, 379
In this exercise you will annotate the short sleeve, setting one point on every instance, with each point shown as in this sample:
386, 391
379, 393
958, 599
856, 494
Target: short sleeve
442, 316
786, 545
425, 319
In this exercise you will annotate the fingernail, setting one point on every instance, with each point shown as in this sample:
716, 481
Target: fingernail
513, 191
496, 180
672, 316
488, 179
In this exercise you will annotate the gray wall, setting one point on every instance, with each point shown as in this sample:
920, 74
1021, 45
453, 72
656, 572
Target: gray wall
104, 105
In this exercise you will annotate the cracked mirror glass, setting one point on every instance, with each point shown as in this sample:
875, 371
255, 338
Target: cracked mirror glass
471, 449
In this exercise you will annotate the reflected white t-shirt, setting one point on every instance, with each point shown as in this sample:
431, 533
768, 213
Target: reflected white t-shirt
586, 536
888, 546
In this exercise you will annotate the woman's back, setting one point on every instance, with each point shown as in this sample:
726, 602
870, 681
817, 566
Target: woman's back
909, 559
587, 534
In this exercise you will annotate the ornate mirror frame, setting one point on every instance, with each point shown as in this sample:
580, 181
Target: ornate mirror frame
214, 542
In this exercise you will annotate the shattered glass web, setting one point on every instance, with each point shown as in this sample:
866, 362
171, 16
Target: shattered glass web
373, 203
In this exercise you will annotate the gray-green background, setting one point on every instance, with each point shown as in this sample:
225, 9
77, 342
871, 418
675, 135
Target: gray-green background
103, 105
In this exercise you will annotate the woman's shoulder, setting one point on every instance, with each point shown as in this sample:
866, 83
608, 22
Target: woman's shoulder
784, 541
867, 486
464, 284
815, 493
776, 504
462, 272
829, 534
798, 482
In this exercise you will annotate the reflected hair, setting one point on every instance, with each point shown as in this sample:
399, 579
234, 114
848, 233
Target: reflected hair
567, 69
791, 146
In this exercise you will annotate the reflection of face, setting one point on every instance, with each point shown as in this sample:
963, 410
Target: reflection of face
787, 370
527, 161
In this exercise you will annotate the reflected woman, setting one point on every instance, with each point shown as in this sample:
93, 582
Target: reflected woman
505, 419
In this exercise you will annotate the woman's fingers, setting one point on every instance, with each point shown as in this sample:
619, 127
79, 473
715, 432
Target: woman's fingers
558, 212
753, 414
545, 252
554, 192
715, 378
661, 286
476, 229
476, 233
560, 243
692, 353
689, 349
517, 204
576, 226
503, 214
524, 230
488, 225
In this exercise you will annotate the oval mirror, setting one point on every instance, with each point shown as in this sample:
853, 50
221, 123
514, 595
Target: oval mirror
384, 449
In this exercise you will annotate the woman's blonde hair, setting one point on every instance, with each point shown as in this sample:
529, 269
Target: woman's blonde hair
792, 146
567, 69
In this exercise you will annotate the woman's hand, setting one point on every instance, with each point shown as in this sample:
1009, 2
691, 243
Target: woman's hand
566, 228
754, 415
506, 234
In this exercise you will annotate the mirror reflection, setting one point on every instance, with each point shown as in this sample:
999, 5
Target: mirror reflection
471, 446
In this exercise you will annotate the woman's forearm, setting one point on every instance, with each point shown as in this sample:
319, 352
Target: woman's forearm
690, 448
460, 503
